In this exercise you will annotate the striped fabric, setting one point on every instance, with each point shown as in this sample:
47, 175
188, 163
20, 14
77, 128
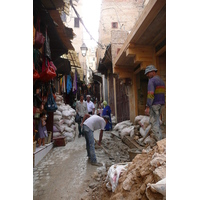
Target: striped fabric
156, 91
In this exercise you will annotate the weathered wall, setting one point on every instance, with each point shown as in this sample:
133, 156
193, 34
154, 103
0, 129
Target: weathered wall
124, 12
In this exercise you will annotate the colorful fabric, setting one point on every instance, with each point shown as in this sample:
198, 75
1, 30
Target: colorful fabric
156, 91
69, 83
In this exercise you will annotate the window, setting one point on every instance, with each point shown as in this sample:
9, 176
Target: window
76, 22
114, 25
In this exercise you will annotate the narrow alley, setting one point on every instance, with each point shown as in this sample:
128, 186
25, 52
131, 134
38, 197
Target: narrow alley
65, 172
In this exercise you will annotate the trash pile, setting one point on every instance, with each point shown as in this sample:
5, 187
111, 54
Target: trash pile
64, 120
143, 178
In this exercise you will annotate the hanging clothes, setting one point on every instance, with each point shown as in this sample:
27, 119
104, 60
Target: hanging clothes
75, 83
69, 83
64, 85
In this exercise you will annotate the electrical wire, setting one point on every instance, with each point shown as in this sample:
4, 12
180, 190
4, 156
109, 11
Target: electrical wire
100, 45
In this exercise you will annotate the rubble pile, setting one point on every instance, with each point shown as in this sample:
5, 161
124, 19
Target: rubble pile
137, 130
144, 178
118, 151
64, 120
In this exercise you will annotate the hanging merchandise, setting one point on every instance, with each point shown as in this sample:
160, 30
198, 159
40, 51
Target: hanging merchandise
35, 74
52, 64
33, 33
50, 105
75, 83
48, 72
47, 50
64, 85
69, 84
36, 58
39, 38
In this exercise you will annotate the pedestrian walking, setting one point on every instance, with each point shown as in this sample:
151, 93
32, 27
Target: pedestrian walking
155, 100
81, 109
90, 105
107, 111
99, 110
90, 124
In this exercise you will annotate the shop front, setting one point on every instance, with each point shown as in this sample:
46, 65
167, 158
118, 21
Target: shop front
51, 39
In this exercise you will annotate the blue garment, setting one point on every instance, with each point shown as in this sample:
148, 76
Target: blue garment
107, 111
69, 83
89, 137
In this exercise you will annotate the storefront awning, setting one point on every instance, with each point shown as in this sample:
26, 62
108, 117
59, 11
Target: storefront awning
105, 63
60, 36
147, 37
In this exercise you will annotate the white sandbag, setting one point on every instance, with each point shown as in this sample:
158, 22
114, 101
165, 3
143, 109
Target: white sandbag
67, 113
56, 134
132, 132
63, 107
122, 124
158, 159
59, 98
67, 134
138, 118
144, 131
149, 140
73, 126
144, 122
69, 122
159, 187
67, 128
58, 103
59, 123
57, 118
114, 174
55, 129
60, 128
126, 131
57, 113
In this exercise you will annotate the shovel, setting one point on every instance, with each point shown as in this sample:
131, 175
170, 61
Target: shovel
102, 147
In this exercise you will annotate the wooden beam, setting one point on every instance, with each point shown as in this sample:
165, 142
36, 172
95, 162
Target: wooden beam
140, 51
123, 73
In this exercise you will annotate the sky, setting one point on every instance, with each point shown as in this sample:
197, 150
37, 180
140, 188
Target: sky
91, 16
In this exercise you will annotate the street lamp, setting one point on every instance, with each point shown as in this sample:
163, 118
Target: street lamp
83, 49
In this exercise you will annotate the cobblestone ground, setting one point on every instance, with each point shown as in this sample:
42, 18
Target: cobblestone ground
64, 173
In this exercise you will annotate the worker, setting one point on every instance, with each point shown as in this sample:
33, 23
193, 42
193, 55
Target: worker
90, 123
155, 100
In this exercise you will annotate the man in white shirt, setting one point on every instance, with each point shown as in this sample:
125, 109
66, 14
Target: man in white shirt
90, 124
81, 109
90, 105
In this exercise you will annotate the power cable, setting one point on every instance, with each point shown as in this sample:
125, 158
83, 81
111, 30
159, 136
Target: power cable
84, 25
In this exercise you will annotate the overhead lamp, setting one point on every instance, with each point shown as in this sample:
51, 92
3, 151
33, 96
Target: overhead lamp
83, 49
